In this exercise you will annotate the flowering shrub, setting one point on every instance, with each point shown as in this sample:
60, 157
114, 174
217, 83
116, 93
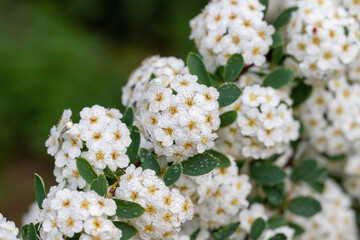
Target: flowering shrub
255, 137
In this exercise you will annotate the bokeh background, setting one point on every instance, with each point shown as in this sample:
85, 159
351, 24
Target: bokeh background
58, 54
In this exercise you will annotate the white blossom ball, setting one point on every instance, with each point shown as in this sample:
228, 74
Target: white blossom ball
226, 27
178, 116
264, 126
322, 37
165, 209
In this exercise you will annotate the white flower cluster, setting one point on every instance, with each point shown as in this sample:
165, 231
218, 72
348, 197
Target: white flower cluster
335, 221
66, 212
100, 137
264, 126
8, 230
226, 27
221, 195
165, 209
322, 37
178, 116
331, 116
154, 65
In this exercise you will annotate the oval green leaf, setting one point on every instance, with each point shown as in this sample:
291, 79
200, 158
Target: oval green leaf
226, 231
279, 78
267, 174
233, 67
148, 161
172, 174
128, 210
32, 232
128, 118
284, 17
99, 185
227, 118
199, 164
197, 67
223, 159
301, 171
276, 222
127, 230
133, 149
228, 93
298, 230
40, 192
304, 206
86, 170
300, 93
257, 228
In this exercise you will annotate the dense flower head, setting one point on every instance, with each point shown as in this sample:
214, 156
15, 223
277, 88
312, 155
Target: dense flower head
336, 220
8, 230
165, 209
100, 137
331, 117
226, 27
152, 66
67, 212
264, 125
178, 116
218, 196
323, 38
353, 7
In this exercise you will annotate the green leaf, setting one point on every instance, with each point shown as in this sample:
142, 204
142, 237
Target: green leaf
25, 231
152, 76
266, 4
284, 17
228, 93
279, 78
220, 73
277, 56
301, 171
300, 93
172, 174
276, 37
276, 222
86, 170
257, 228
274, 194
227, 118
233, 67
317, 179
148, 161
298, 230
304, 206
224, 160
199, 164
110, 175
336, 158
40, 192
133, 149
278, 236
128, 210
128, 118
197, 67
32, 232
127, 230
226, 231
99, 185
267, 174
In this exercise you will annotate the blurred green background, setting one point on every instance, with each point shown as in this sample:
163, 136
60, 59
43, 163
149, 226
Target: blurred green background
70, 54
